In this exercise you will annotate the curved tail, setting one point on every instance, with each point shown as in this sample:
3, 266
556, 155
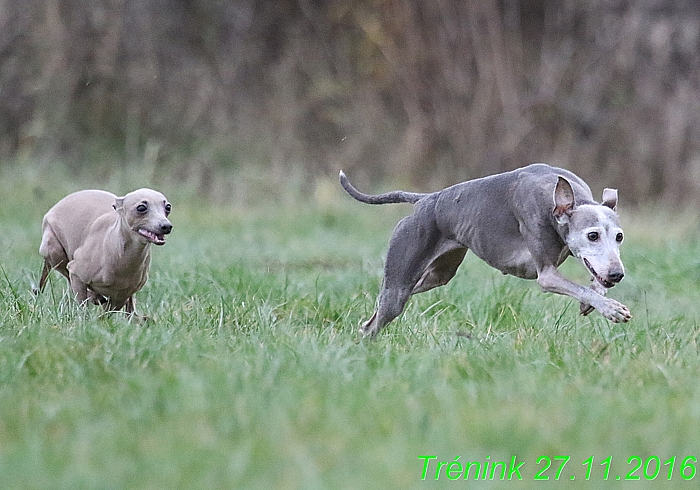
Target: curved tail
386, 198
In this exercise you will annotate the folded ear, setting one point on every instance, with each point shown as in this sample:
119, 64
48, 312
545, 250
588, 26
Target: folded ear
563, 198
610, 198
118, 204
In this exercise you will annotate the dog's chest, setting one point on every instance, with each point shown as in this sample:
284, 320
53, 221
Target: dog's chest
114, 276
115, 285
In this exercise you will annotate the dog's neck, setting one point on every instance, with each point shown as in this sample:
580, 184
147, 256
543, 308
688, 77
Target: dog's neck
127, 251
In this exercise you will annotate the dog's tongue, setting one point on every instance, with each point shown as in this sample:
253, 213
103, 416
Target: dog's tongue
152, 237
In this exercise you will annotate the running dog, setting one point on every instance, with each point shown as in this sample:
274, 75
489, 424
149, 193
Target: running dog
524, 223
101, 243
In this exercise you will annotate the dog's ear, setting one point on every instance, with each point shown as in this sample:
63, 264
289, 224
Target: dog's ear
118, 204
610, 198
563, 198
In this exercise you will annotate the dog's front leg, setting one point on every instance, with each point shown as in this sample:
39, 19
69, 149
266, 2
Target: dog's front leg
130, 308
550, 280
79, 288
585, 308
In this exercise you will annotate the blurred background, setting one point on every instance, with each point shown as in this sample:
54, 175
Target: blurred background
416, 93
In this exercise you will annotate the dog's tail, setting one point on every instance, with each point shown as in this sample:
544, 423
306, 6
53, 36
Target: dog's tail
386, 198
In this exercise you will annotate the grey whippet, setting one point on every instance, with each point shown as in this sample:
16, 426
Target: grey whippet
101, 243
525, 223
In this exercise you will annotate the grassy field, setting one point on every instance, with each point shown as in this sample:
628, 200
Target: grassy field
251, 374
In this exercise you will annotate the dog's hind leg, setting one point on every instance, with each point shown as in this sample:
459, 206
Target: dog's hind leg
55, 257
96, 298
441, 270
418, 259
45, 271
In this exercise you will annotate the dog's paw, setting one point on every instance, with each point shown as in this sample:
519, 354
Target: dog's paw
369, 329
615, 311
585, 309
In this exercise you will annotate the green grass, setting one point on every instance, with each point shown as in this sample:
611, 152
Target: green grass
251, 374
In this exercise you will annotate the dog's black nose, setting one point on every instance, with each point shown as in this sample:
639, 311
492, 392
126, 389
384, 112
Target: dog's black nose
166, 228
616, 277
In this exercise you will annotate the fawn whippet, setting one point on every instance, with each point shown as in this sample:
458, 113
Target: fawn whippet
101, 243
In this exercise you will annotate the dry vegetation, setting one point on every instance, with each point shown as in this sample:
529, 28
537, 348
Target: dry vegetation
428, 93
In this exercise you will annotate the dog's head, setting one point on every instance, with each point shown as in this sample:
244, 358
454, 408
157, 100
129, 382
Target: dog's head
592, 232
145, 212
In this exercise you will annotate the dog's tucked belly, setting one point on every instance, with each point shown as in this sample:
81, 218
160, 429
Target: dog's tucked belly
505, 250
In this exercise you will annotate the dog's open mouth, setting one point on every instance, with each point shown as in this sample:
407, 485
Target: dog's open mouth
154, 238
595, 275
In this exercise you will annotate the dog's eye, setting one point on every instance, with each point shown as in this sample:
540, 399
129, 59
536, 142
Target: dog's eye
168, 208
593, 236
619, 237
142, 208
